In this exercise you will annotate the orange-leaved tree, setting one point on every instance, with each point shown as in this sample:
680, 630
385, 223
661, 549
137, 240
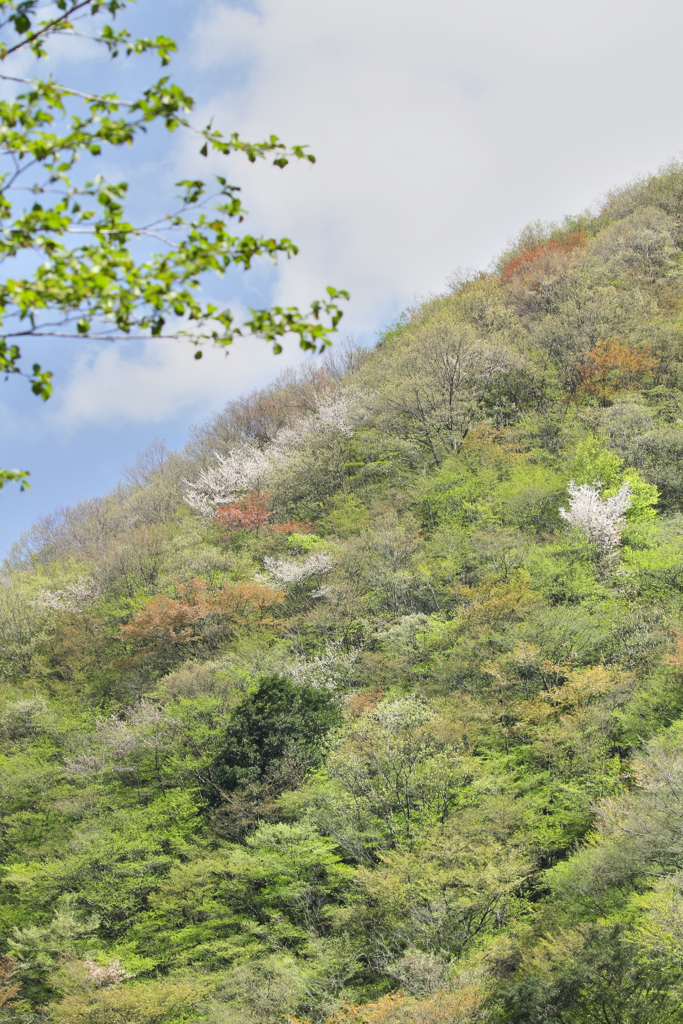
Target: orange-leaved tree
246, 601
676, 659
293, 526
9, 988
169, 624
611, 367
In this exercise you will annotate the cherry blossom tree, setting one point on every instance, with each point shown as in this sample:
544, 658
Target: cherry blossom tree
72, 598
221, 483
285, 573
600, 520
330, 670
107, 974
247, 466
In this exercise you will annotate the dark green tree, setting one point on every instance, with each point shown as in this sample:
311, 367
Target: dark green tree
278, 718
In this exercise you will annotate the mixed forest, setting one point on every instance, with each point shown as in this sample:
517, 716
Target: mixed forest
367, 706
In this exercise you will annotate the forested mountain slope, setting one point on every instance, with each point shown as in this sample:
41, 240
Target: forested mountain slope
368, 705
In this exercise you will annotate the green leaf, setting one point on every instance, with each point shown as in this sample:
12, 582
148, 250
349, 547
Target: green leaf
14, 475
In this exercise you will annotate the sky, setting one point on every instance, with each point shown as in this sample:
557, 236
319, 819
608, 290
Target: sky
440, 129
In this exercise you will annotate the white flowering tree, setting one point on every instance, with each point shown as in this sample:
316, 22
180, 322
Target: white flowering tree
331, 670
247, 466
111, 973
600, 520
124, 745
286, 573
73, 598
232, 475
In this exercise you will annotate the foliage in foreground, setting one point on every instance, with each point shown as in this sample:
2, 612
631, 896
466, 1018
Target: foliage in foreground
80, 273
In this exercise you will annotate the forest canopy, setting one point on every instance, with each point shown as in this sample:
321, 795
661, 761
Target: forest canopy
366, 707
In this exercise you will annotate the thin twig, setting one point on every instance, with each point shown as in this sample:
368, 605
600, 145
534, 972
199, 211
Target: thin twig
45, 28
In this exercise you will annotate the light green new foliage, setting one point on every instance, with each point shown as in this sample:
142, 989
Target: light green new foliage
288, 869
306, 542
24, 625
644, 497
150, 1002
393, 777
233, 903
118, 858
69, 933
595, 461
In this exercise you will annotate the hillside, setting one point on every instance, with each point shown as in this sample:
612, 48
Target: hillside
367, 707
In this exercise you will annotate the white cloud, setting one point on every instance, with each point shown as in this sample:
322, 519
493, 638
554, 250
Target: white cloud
228, 34
440, 128
159, 380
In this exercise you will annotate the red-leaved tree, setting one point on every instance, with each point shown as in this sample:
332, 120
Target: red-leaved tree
248, 513
252, 512
533, 261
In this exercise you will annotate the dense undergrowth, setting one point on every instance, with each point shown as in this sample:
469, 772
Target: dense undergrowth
372, 734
